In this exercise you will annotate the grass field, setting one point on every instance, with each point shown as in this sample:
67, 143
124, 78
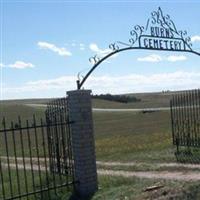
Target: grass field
12, 111
119, 135
120, 188
125, 137
129, 136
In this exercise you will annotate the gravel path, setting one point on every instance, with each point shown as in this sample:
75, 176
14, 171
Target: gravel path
27, 167
130, 164
112, 109
184, 176
188, 175
109, 164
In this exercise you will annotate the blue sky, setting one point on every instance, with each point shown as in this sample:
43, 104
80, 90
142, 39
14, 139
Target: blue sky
45, 44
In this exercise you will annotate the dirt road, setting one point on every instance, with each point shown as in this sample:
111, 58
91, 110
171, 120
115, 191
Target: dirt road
187, 175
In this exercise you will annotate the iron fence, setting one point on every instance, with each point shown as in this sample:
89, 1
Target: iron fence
185, 118
59, 137
35, 157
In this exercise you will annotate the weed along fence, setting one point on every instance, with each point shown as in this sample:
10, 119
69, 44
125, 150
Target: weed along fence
43, 159
185, 116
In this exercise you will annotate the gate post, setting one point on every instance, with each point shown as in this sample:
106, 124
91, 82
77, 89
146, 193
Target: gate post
83, 145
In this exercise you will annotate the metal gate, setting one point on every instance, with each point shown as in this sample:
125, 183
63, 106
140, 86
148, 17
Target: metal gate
185, 118
59, 137
35, 156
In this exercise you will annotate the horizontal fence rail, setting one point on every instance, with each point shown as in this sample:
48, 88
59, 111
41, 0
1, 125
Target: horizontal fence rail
35, 156
185, 118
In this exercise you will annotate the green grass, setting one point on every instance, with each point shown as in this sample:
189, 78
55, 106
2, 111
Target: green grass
19, 186
18, 144
26, 101
12, 111
123, 136
130, 136
120, 136
145, 167
113, 188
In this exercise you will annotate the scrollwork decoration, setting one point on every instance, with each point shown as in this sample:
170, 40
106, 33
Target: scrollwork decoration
162, 31
166, 22
95, 59
114, 46
187, 39
135, 33
157, 17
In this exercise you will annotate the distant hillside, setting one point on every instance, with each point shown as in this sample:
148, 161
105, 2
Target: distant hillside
140, 100
27, 101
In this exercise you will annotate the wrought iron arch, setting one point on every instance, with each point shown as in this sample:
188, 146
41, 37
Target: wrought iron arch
160, 33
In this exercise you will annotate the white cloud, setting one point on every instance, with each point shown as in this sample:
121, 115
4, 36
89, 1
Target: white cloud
59, 82
157, 58
41, 86
94, 47
59, 50
2, 65
18, 65
21, 65
73, 44
176, 58
195, 38
82, 48
101, 52
178, 80
98, 51
150, 58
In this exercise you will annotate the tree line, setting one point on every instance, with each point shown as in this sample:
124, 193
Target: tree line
118, 98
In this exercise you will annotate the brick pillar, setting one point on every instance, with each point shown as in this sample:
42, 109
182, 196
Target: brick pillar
83, 147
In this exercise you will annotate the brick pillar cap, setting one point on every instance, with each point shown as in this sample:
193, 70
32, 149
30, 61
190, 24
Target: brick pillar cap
79, 92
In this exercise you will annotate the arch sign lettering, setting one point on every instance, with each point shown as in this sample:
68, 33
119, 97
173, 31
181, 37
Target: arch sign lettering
159, 33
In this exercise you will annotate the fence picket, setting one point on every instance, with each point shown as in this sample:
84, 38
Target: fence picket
36, 158
185, 108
